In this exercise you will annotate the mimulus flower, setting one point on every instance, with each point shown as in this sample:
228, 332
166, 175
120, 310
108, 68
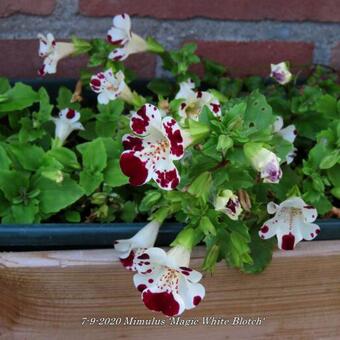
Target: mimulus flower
150, 155
129, 42
67, 121
288, 133
110, 86
129, 250
193, 102
291, 223
229, 204
52, 52
264, 161
166, 281
280, 72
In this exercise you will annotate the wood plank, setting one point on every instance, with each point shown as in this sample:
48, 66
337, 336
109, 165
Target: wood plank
46, 295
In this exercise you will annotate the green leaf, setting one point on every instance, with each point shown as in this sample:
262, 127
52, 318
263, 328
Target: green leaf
113, 175
258, 112
94, 155
29, 156
334, 175
327, 105
18, 98
5, 161
150, 199
330, 160
90, 181
22, 213
64, 99
56, 196
72, 216
45, 109
261, 252
336, 192
13, 183
4, 85
65, 156
201, 185
129, 211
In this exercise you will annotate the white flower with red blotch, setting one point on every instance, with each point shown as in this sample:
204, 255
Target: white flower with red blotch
166, 281
280, 72
109, 86
291, 223
120, 34
288, 133
52, 52
150, 155
129, 250
264, 161
194, 101
67, 122
229, 204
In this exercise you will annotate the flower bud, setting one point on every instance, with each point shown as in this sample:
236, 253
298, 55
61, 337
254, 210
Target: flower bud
229, 204
280, 72
264, 161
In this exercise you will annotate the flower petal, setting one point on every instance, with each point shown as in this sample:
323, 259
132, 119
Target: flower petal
155, 255
190, 274
174, 134
309, 230
103, 98
131, 142
310, 213
288, 133
117, 36
215, 107
70, 115
185, 90
169, 303
191, 293
119, 54
146, 118
278, 124
166, 175
149, 279
269, 228
123, 22
134, 167
272, 208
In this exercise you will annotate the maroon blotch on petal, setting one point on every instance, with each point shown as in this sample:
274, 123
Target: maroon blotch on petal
288, 241
128, 261
134, 168
161, 302
140, 121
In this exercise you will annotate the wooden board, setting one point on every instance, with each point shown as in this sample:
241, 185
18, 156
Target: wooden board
45, 295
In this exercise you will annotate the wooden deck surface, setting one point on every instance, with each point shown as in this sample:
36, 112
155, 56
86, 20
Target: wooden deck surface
45, 295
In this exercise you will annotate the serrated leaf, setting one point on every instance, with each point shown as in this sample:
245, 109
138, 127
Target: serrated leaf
56, 196
113, 175
19, 97
261, 252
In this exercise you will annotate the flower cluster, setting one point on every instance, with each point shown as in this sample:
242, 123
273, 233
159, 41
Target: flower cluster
165, 280
208, 154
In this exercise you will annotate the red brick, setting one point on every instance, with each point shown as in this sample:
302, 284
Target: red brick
35, 7
285, 10
254, 58
335, 58
19, 59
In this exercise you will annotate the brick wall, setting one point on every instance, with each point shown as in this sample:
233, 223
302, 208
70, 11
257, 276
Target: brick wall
245, 35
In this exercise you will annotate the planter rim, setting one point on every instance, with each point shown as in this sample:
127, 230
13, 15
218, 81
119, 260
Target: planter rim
46, 236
